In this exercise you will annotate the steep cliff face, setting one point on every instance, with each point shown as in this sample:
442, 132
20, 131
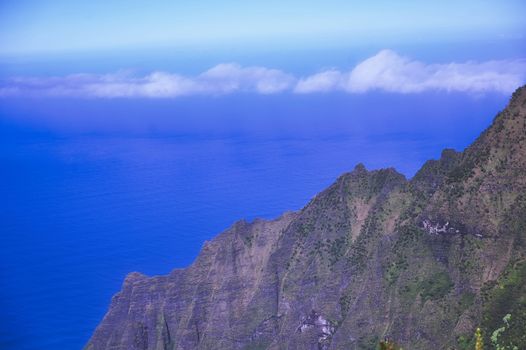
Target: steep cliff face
423, 262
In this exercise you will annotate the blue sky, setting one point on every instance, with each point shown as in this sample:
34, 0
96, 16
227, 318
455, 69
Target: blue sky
40, 27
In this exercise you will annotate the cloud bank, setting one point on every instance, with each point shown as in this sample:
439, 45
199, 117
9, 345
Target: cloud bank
385, 71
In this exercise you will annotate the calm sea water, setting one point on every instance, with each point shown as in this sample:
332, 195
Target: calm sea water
92, 190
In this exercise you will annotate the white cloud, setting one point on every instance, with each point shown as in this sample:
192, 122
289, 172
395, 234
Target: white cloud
391, 72
225, 78
157, 84
385, 71
321, 82
221, 79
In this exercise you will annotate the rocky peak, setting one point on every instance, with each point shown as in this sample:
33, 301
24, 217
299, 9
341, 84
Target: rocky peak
433, 173
482, 183
501, 147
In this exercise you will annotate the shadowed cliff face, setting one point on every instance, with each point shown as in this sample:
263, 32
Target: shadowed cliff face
423, 262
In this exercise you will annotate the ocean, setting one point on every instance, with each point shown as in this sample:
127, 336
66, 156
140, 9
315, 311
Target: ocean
94, 189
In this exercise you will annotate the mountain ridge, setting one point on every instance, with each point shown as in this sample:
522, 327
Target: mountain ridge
374, 255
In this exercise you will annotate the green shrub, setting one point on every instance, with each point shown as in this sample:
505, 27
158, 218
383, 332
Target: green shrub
436, 287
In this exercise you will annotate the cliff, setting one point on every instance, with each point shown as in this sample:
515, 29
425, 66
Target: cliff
422, 261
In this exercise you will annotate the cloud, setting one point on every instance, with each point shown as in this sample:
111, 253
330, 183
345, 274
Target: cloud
155, 85
221, 79
391, 72
226, 78
329, 80
385, 71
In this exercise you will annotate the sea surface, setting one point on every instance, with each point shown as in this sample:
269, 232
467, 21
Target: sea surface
94, 189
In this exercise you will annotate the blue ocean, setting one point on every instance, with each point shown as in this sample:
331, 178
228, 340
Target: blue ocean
94, 189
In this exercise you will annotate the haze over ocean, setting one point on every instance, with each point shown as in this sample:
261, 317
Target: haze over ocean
131, 132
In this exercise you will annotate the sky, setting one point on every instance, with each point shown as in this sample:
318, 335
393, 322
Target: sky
61, 26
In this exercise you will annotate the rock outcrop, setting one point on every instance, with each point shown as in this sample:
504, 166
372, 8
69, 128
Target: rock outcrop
422, 261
